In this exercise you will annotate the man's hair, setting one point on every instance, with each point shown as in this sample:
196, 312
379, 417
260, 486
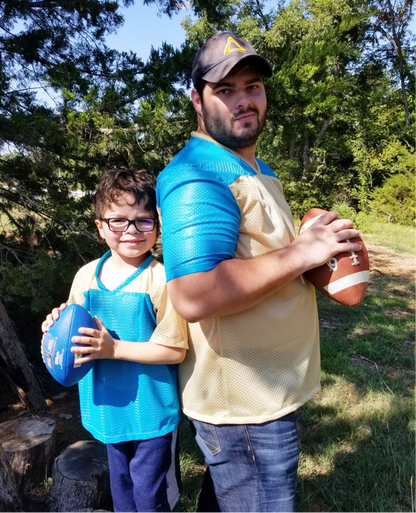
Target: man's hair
121, 181
199, 86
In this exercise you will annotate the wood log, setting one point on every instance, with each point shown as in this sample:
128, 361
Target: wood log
18, 371
29, 445
9, 498
80, 478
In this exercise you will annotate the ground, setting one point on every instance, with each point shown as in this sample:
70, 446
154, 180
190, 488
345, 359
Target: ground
386, 261
63, 403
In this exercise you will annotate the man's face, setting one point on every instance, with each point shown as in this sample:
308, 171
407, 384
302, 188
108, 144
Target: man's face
233, 110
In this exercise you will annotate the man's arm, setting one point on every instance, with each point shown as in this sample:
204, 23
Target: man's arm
237, 284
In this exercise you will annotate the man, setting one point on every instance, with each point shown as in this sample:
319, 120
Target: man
234, 269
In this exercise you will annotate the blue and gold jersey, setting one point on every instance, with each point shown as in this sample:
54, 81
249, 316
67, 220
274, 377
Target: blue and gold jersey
262, 363
122, 400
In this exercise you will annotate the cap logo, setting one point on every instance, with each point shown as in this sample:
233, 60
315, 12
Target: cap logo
233, 46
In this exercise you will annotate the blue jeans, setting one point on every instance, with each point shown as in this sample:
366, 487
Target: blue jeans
253, 466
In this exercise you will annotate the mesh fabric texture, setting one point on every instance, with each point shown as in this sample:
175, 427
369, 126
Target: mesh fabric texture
121, 400
262, 363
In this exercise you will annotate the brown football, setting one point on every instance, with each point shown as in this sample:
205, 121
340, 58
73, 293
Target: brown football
344, 278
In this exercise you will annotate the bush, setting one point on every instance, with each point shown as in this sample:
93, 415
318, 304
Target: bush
345, 210
395, 200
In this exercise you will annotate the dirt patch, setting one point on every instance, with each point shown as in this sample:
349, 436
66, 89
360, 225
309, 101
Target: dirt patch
385, 261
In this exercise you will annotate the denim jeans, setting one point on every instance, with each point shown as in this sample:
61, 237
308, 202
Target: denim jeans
253, 466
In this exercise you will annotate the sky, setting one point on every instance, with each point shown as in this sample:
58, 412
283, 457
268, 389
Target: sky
144, 28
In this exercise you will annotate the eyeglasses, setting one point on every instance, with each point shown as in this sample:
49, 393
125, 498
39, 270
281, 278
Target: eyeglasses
119, 224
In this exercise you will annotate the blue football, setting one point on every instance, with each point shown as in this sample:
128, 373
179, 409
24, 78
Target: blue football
56, 345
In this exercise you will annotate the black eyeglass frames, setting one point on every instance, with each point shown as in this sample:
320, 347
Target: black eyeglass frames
119, 224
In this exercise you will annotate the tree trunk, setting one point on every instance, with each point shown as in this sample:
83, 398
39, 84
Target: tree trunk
29, 444
19, 372
403, 86
80, 478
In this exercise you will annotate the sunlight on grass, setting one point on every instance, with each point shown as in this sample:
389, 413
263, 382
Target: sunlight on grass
397, 237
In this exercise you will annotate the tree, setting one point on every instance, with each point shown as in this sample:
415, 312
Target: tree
391, 19
49, 152
315, 49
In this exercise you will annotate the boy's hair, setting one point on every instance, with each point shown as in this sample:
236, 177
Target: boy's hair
120, 181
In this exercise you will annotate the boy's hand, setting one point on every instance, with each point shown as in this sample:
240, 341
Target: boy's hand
54, 316
99, 344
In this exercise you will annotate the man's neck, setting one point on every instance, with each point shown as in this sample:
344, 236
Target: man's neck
248, 154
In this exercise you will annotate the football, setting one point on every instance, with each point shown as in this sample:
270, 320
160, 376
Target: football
56, 345
344, 278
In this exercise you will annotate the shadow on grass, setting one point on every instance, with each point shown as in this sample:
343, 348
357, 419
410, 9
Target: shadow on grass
192, 468
357, 435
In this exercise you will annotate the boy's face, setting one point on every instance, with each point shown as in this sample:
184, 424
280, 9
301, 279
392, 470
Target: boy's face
132, 245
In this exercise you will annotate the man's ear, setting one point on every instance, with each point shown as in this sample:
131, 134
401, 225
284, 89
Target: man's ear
99, 225
196, 101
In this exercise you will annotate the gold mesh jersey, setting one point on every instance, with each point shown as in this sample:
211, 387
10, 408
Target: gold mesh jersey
262, 363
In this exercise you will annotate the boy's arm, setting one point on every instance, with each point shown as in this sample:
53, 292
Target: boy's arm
100, 344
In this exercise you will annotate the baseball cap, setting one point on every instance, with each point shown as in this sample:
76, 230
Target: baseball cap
218, 56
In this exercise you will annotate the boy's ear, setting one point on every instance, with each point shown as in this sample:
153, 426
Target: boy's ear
99, 225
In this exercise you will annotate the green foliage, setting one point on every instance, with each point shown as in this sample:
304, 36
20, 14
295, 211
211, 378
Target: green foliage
345, 211
395, 199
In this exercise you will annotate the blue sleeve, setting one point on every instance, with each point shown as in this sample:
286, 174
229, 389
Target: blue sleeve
200, 220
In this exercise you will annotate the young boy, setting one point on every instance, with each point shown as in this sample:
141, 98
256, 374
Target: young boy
129, 399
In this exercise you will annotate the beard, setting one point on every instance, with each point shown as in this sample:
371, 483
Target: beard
227, 135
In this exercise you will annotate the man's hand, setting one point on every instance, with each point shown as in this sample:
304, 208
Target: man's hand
99, 344
328, 236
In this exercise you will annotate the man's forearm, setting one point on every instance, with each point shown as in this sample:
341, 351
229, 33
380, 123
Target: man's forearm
235, 285
231, 287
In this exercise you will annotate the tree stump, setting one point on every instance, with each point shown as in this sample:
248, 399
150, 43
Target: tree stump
9, 498
29, 444
80, 478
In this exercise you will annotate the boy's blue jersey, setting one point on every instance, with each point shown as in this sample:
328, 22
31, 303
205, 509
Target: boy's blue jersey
122, 400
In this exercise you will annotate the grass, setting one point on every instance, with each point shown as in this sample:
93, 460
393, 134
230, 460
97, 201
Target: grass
357, 435
399, 238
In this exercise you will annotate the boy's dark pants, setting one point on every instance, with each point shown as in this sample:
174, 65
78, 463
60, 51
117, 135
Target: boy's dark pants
138, 474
